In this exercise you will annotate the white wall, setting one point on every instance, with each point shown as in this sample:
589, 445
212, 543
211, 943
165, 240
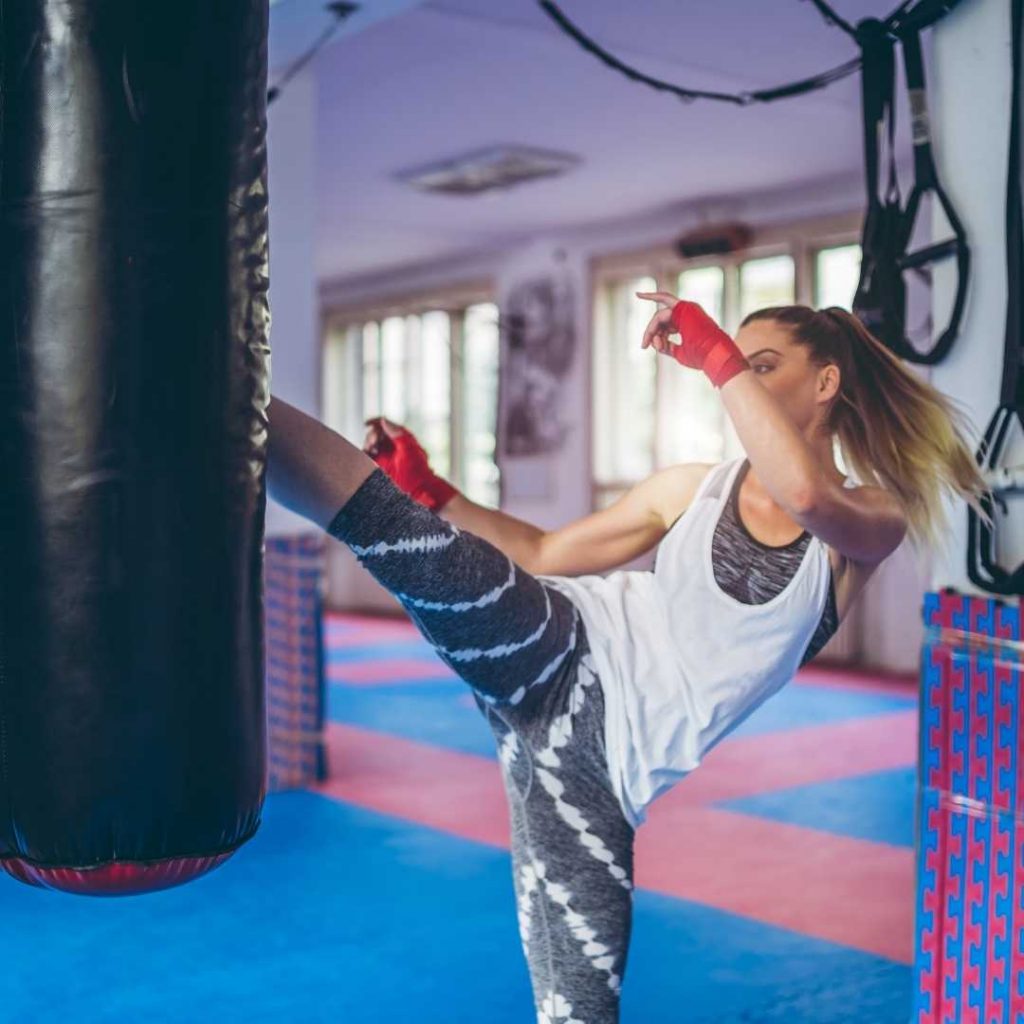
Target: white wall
971, 114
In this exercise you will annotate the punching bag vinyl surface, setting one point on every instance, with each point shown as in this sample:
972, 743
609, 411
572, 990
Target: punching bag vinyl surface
133, 395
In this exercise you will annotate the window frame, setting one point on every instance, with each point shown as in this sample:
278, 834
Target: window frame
340, 318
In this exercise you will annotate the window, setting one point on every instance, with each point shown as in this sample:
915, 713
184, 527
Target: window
624, 386
651, 412
479, 384
767, 282
836, 272
434, 371
689, 409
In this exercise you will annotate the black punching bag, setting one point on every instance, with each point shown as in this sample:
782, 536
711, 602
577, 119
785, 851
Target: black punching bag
133, 432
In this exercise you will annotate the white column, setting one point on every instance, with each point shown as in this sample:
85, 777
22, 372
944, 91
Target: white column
294, 344
970, 105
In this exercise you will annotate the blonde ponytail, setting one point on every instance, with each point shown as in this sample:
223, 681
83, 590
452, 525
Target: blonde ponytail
894, 430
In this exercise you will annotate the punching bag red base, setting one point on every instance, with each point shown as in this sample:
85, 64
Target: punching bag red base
133, 431
115, 878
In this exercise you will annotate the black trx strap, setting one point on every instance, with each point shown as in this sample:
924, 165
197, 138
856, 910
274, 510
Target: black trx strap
881, 299
982, 567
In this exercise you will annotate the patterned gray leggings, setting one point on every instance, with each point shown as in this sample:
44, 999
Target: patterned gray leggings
521, 647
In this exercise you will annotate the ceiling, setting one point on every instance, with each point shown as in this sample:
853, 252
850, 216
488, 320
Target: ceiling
412, 82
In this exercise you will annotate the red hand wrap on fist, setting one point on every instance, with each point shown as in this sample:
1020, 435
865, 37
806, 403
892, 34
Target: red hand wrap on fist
404, 460
704, 345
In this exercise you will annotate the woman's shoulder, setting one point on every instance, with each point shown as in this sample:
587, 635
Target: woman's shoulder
850, 576
678, 487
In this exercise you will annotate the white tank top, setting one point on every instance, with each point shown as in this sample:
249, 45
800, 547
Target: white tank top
682, 663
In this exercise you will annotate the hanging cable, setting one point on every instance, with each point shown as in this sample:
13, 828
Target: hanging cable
907, 17
832, 18
919, 16
613, 62
781, 92
341, 12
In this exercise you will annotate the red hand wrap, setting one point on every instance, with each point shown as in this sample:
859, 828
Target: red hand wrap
704, 345
405, 461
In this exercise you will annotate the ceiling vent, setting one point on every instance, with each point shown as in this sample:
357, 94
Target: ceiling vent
484, 169
714, 240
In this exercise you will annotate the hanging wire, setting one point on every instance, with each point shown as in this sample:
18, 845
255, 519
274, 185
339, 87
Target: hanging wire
832, 18
804, 85
911, 15
920, 16
341, 12
613, 62
908, 16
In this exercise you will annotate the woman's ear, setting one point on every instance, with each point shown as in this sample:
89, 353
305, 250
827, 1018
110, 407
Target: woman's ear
829, 380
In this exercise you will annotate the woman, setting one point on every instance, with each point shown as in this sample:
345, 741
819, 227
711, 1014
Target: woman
603, 691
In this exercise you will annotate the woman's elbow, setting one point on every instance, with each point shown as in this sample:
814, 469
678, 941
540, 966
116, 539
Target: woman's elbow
533, 556
806, 500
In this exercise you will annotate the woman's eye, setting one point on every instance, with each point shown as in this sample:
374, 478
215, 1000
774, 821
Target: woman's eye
761, 366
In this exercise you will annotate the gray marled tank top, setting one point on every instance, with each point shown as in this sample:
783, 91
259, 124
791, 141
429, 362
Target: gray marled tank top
754, 573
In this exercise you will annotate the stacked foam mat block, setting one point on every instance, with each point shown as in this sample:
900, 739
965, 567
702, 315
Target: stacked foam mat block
292, 574
969, 915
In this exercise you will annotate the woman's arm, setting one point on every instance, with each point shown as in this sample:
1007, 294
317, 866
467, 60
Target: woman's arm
602, 540
626, 529
596, 542
519, 540
783, 461
864, 523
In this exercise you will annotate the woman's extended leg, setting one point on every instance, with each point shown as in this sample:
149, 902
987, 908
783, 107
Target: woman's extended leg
311, 469
571, 845
522, 647
497, 626
506, 633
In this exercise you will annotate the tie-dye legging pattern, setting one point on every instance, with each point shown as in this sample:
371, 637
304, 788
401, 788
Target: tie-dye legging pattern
521, 647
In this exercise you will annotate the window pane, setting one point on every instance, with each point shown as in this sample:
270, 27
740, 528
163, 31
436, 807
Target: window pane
836, 272
343, 381
392, 369
405, 358
480, 403
429, 386
371, 370
624, 384
705, 286
690, 413
767, 282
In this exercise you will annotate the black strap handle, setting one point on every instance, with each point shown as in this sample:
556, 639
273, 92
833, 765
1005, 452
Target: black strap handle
926, 180
880, 300
880, 290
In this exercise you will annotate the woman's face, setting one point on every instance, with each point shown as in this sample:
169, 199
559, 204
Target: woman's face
782, 366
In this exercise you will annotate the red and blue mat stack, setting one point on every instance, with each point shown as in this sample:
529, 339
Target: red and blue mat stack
293, 635
969, 945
